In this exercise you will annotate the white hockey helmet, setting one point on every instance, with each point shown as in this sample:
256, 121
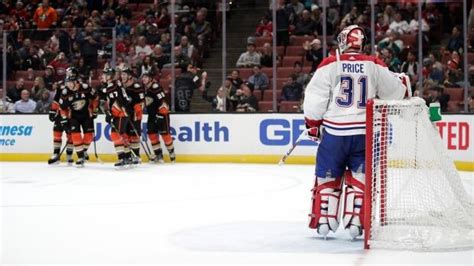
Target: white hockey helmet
351, 37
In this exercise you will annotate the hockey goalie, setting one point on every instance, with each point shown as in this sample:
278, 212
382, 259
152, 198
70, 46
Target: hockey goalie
335, 113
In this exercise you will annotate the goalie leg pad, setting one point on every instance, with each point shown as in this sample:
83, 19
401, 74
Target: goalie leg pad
353, 216
324, 214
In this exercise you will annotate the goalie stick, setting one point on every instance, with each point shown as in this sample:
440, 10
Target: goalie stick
302, 136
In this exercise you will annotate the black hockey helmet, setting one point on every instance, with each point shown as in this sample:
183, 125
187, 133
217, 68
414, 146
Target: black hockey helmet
109, 71
72, 71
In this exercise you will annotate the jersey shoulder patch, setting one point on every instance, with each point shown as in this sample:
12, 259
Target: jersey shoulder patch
137, 85
155, 86
64, 91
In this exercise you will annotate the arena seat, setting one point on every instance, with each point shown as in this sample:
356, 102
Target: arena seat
265, 106
289, 106
268, 95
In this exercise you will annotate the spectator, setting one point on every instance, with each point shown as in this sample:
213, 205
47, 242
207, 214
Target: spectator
453, 74
235, 79
45, 16
202, 30
381, 27
392, 41
152, 35
265, 28
109, 20
165, 44
123, 28
292, 90
301, 77
284, 19
410, 67
306, 25
159, 57
142, 47
388, 14
6, 106
399, 25
351, 17
164, 19
147, 65
43, 105
188, 49
266, 57
122, 10
413, 26
85, 70
259, 80
436, 94
15, 93
60, 65
38, 87
185, 85
25, 104
247, 102
250, 58
49, 76
218, 100
297, 7
392, 62
455, 42
430, 72
89, 41
313, 53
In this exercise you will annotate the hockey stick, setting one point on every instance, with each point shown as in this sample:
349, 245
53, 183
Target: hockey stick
139, 139
302, 136
95, 151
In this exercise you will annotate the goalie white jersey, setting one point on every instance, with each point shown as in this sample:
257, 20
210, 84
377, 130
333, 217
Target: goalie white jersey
338, 91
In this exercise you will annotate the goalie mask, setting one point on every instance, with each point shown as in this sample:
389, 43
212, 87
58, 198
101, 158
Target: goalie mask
351, 37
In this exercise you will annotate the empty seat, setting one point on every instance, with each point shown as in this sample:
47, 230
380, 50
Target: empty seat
284, 72
289, 107
299, 40
166, 72
265, 106
455, 94
289, 61
409, 39
268, 95
280, 50
257, 94
260, 41
294, 50
245, 73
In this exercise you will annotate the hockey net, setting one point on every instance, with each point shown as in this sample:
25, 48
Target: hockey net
414, 196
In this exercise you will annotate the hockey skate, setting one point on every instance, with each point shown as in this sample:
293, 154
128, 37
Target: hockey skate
54, 159
86, 156
80, 162
69, 159
136, 160
158, 158
120, 164
172, 156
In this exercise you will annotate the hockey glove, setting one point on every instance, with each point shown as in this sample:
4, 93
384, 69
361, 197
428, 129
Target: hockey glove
52, 115
94, 114
313, 127
65, 124
109, 118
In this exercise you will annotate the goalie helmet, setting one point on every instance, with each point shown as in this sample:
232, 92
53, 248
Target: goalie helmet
351, 37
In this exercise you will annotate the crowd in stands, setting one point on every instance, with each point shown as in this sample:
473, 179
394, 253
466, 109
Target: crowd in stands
46, 37
299, 45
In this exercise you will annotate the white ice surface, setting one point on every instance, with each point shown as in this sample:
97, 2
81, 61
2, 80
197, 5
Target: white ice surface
182, 213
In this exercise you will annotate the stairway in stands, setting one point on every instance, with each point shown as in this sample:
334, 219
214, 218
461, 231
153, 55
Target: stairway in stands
241, 23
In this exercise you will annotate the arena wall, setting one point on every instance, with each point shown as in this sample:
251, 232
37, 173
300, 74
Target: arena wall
237, 138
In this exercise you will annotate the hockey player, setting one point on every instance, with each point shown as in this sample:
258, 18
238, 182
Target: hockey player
137, 95
58, 128
116, 114
335, 98
78, 107
158, 118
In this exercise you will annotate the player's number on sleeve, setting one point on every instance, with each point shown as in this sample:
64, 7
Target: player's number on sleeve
346, 95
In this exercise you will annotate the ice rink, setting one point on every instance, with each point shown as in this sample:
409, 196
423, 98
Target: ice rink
181, 213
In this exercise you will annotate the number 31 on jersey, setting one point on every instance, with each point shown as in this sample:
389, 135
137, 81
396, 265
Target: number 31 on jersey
346, 94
